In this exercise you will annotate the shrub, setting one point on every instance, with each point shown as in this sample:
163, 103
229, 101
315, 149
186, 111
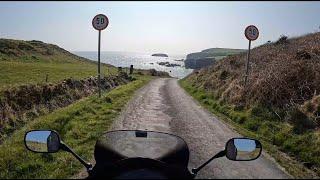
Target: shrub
242, 118
49, 52
233, 116
224, 110
282, 40
206, 101
309, 106
303, 55
203, 96
153, 72
263, 113
257, 111
318, 109
281, 136
238, 107
252, 124
300, 121
266, 130
25, 46
214, 105
224, 75
108, 99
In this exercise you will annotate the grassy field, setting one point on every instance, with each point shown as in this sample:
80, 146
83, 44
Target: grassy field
29, 62
37, 146
79, 125
14, 73
290, 150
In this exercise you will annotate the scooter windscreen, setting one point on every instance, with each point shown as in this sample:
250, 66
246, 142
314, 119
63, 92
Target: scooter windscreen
117, 145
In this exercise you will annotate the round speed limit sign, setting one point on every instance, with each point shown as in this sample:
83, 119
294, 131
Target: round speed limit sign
100, 22
251, 33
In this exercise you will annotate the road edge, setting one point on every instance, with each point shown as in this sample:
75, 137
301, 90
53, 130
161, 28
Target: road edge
271, 153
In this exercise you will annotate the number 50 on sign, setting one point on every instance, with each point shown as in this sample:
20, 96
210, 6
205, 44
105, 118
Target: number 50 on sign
100, 22
251, 33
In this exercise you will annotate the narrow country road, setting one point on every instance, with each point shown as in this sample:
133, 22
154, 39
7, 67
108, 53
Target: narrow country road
164, 106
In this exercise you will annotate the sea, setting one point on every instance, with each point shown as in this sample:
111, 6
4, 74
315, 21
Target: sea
139, 61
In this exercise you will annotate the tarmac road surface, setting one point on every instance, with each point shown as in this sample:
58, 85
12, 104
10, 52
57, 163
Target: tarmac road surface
162, 105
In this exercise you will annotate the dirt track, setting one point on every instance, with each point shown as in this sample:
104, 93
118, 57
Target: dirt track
164, 106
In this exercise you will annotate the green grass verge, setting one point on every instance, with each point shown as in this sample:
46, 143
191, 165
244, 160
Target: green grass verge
19, 72
277, 137
79, 125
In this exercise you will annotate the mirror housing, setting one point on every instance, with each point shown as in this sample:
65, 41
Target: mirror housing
48, 141
243, 149
251, 150
42, 141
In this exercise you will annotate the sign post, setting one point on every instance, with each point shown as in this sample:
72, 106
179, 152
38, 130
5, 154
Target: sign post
252, 33
99, 22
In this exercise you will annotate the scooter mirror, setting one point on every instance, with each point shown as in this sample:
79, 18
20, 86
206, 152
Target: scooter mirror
243, 149
42, 141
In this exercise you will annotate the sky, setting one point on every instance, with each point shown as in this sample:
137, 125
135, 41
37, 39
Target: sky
245, 145
38, 136
156, 27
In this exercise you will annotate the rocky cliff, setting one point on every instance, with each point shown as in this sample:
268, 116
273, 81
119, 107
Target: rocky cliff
207, 57
198, 63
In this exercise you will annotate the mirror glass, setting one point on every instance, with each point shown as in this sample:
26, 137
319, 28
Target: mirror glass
243, 149
42, 141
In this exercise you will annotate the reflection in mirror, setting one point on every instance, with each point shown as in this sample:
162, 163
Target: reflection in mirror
42, 141
243, 149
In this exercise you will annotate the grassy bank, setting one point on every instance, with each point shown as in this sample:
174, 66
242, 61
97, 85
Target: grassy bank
14, 73
79, 125
29, 62
294, 152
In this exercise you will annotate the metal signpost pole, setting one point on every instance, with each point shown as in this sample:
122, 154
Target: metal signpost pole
99, 22
247, 65
99, 80
252, 33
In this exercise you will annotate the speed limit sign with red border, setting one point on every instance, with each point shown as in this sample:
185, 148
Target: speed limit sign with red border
251, 32
100, 22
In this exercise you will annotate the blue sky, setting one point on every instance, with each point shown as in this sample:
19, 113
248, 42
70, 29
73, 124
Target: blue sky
169, 27
38, 136
245, 145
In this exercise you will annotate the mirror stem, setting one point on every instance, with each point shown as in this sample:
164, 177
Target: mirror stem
220, 154
64, 147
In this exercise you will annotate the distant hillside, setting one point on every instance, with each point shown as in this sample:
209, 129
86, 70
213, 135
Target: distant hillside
34, 50
32, 62
208, 56
214, 52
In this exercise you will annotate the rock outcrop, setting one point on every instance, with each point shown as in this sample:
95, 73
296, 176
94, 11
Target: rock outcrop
168, 64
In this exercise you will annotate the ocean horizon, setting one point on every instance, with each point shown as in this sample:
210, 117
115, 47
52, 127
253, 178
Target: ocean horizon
139, 61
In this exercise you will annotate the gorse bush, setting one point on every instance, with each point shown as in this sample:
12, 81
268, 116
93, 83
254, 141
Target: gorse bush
283, 39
